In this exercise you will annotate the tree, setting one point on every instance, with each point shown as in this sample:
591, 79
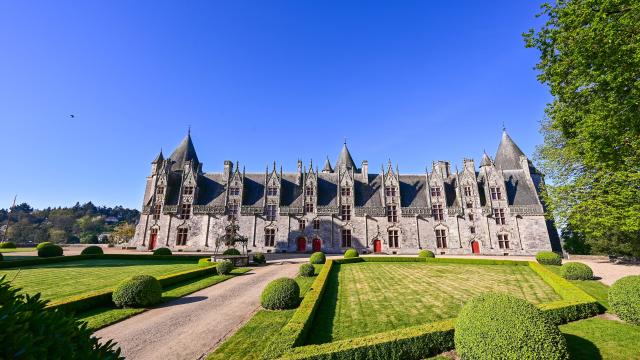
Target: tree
590, 59
122, 233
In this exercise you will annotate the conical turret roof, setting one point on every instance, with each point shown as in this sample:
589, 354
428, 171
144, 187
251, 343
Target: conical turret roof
159, 158
184, 152
508, 154
486, 160
327, 166
345, 159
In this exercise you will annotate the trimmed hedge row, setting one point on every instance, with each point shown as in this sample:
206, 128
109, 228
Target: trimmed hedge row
391, 259
476, 261
57, 259
417, 342
7, 245
296, 330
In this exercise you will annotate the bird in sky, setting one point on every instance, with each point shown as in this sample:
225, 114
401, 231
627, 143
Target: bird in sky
72, 116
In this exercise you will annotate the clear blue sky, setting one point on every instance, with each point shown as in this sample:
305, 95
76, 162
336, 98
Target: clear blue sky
257, 81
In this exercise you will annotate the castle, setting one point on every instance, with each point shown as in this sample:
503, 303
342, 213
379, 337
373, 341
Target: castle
496, 209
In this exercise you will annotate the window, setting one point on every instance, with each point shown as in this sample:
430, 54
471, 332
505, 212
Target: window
185, 211
469, 205
438, 212
271, 212
472, 229
435, 191
499, 215
234, 191
441, 238
272, 191
157, 209
503, 241
346, 238
308, 191
393, 238
308, 207
269, 237
345, 191
390, 191
345, 212
233, 211
392, 213
468, 191
187, 190
181, 238
302, 224
160, 190
470, 217
316, 224
496, 194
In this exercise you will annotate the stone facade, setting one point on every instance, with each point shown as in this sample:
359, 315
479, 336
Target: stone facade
495, 209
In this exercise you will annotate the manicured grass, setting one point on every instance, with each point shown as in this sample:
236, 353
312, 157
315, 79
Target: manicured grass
104, 316
594, 288
61, 280
367, 298
252, 338
17, 250
602, 339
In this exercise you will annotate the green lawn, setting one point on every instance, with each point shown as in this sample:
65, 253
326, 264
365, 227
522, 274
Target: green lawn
252, 338
367, 298
62, 280
17, 250
594, 288
602, 339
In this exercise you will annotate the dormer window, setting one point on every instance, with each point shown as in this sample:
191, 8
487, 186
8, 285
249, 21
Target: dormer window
308, 207
234, 191
436, 191
438, 212
270, 212
390, 191
468, 191
160, 190
187, 190
345, 212
496, 194
498, 214
272, 191
392, 213
233, 211
345, 191
308, 191
157, 208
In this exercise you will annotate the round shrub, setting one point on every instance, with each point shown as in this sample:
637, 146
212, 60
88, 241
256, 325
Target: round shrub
8, 245
548, 258
224, 267
259, 258
137, 291
280, 294
50, 250
351, 253
205, 262
92, 250
162, 251
501, 326
307, 270
576, 271
624, 297
426, 254
43, 244
318, 258
231, 251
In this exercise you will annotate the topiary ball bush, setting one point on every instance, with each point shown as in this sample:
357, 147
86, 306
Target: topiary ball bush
92, 250
50, 250
318, 258
162, 251
307, 270
624, 298
548, 258
231, 251
224, 267
576, 271
43, 244
501, 326
137, 291
259, 258
426, 254
351, 253
8, 245
280, 294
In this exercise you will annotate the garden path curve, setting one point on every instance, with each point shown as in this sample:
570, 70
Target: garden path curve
192, 326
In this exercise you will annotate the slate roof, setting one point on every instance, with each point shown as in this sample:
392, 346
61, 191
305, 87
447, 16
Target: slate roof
211, 189
327, 189
253, 190
508, 154
368, 195
159, 158
290, 192
519, 190
345, 159
413, 191
184, 152
327, 166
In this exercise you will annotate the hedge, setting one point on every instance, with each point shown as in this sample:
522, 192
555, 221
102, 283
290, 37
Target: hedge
476, 261
50, 251
137, 291
391, 259
307, 270
417, 342
231, 251
224, 267
318, 257
57, 259
351, 253
426, 254
43, 244
259, 258
281, 294
576, 271
92, 250
7, 245
162, 251
548, 258
624, 297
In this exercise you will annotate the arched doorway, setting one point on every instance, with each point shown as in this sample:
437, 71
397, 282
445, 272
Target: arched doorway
377, 246
317, 245
302, 244
153, 238
475, 247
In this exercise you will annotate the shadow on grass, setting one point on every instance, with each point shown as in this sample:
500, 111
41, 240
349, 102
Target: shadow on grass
581, 348
322, 327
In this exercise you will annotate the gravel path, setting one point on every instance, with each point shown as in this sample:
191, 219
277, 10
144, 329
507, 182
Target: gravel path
192, 326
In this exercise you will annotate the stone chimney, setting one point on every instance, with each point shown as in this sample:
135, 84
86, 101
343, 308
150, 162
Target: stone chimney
228, 169
365, 171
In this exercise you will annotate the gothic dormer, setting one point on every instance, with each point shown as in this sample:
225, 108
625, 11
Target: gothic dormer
310, 189
391, 183
468, 185
156, 164
272, 185
327, 166
436, 191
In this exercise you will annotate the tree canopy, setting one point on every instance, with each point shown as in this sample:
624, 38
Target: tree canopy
590, 59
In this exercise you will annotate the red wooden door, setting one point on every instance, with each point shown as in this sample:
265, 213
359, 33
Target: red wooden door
302, 245
317, 245
475, 247
152, 240
377, 246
